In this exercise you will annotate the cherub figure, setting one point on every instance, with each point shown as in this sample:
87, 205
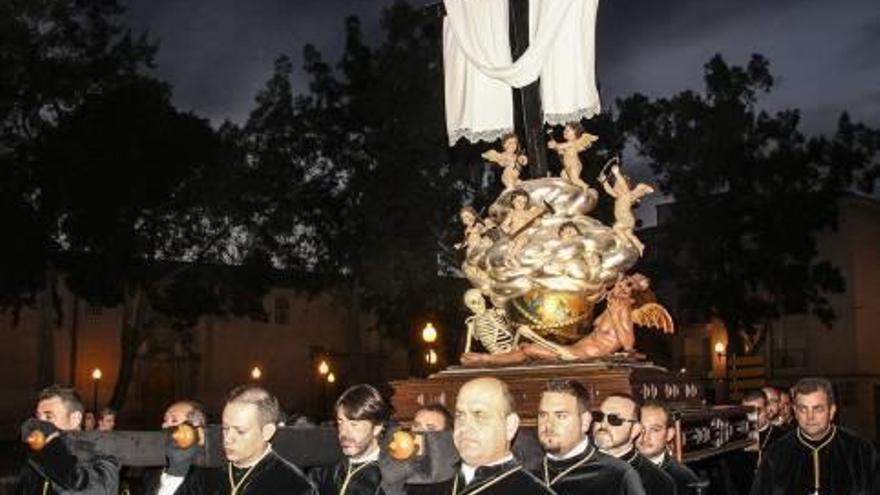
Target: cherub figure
519, 217
510, 158
576, 140
474, 242
474, 230
520, 214
625, 198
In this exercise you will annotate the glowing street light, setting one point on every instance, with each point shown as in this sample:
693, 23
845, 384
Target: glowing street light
323, 367
431, 357
429, 333
331, 378
256, 373
96, 377
719, 349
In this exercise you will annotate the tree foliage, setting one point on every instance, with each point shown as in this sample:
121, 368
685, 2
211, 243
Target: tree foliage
750, 193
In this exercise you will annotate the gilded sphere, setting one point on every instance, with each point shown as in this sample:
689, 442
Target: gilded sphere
553, 315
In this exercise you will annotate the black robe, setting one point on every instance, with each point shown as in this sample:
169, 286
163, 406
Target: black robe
743, 463
366, 478
272, 474
848, 465
63, 472
681, 474
507, 478
590, 472
654, 480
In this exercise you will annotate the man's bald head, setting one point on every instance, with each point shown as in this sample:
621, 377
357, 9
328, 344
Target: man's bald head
485, 421
492, 386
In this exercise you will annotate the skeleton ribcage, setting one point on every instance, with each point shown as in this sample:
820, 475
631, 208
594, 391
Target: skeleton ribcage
493, 331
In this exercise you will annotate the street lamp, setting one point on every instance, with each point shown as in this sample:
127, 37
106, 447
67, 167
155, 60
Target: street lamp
719, 349
431, 357
96, 377
331, 378
429, 333
323, 367
256, 373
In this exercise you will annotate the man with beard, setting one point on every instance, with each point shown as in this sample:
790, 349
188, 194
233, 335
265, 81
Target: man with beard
250, 419
485, 424
572, 464
818, 457
53, 468
658, 430
615, 429
361, 415
179, 473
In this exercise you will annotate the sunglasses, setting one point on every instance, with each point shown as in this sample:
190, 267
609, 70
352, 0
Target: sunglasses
613, 419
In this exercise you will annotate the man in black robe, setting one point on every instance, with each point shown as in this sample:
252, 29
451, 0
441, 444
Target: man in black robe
572, 464
53, 468
485, 424
250, 419
743, 464
616, 427
658, 432
430, 418
818, 457
361, 415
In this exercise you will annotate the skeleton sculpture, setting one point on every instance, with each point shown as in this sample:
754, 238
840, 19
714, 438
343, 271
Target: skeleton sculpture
492, 328
628, 303
488, 325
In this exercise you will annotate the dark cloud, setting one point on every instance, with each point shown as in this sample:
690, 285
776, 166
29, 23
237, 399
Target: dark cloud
218, 53
866, 47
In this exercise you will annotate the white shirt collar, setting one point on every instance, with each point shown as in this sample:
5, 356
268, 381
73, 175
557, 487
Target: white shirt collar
576, 451
373, 455
469, 471
658, 459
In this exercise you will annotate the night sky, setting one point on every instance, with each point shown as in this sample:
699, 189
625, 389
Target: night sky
219, 53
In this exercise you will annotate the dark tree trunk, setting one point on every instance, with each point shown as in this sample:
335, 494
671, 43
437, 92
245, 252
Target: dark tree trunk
48, 320
74, 341
133, 324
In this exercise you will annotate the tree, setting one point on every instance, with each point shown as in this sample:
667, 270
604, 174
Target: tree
751, 193
149, 207
378, 121
53, 55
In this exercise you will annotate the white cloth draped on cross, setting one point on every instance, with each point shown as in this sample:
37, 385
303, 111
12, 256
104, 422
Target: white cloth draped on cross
480, 72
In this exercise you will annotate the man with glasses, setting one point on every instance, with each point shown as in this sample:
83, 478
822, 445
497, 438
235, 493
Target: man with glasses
572, 464
615, 430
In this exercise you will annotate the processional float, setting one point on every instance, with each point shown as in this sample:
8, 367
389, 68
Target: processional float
555, 293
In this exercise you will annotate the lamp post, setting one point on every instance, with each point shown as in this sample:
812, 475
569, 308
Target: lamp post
720, 368
327, 377
429, 337
96, 377
256, 373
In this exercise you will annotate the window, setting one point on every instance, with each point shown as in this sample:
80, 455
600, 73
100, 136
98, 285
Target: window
282, 310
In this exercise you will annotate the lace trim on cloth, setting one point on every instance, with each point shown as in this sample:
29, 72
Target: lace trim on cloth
577, 115
472, 136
